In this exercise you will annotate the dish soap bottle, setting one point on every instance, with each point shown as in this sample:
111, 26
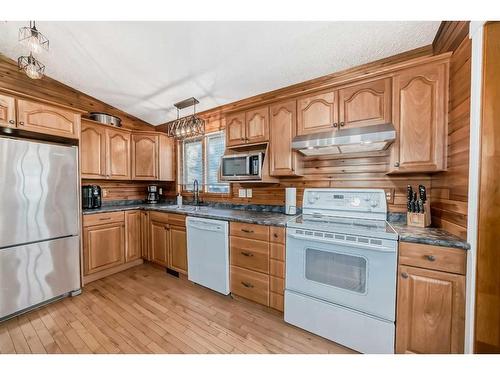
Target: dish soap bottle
179, 200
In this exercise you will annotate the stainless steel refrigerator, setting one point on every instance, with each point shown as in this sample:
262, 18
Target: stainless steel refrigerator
39, 223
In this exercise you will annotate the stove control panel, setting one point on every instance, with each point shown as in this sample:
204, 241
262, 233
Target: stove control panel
345, 201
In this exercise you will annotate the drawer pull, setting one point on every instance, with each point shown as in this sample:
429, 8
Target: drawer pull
246, 253
431, 258
275, 235
105, 218
247, 230
404, 275
247, 285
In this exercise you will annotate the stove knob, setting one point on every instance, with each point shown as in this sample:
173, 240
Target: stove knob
373, 203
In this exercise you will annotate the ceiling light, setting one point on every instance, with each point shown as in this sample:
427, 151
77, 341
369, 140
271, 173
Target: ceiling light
33, 39
31, 66
189, 126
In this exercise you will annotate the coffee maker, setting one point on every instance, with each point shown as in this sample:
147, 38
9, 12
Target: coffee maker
153, 195
91, 196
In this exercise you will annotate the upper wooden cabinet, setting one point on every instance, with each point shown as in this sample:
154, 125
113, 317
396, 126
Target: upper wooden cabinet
48, 119
152, 157
316, 112
365, 104
118, 154
283, 124
7, 111
105, 152
420, 115
247, 127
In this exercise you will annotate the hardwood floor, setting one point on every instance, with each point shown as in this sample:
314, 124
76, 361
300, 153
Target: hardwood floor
143, 310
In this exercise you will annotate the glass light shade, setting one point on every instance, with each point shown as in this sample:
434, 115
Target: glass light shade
31, 66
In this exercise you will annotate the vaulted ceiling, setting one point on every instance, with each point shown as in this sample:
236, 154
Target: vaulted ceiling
143, 68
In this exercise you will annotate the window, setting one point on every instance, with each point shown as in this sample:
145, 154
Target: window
201, 160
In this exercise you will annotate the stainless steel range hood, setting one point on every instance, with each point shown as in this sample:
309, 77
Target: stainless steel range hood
346, 140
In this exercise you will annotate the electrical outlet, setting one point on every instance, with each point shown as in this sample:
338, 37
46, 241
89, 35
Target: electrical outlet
242, 193
160, 191
249, 193
104, 193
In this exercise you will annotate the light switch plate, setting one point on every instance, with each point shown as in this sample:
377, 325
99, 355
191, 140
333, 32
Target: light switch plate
249, 193
242, 193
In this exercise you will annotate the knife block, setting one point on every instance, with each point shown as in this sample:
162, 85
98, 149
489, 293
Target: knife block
420, 220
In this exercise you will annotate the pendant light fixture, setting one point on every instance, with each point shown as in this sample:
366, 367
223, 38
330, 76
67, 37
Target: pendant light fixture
31, 66
36, 43
189, 126
33, 39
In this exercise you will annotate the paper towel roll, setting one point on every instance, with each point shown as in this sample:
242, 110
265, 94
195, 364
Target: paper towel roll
290, 201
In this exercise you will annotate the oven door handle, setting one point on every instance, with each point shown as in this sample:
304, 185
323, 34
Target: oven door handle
356, 244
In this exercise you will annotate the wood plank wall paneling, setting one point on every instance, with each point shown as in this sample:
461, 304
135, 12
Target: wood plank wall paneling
50, 89
487, 319
450, 188
127, 190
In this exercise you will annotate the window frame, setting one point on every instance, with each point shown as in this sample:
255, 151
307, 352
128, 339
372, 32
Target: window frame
183, 188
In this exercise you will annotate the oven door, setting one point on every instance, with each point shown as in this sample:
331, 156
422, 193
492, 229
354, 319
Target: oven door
351, 271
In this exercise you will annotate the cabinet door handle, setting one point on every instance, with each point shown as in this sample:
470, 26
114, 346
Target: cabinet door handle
275, 235
21, 123
431, 258
247, 230
396, 164
12, 122
247, 285
335, 124
246, 253
342, 124
404, 275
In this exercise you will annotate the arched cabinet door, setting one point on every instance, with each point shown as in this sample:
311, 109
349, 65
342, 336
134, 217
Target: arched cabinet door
48, 119
145, 157
235, 129
257, 125
119, 154
365, 104
420, 115
7, 111
317, 112
93, 151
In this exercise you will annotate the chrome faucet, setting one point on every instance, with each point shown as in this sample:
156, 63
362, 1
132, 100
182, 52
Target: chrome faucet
196, 198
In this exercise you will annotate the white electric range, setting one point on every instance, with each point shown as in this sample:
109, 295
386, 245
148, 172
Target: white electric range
341, 260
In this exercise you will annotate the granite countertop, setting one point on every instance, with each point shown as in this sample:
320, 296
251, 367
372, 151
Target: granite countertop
429, 236
244, 216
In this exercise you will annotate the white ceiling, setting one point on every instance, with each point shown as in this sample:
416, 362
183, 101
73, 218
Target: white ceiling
143, 68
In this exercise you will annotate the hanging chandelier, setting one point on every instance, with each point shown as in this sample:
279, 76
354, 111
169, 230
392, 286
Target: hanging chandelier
36, 43
31, 66
33, 39
189, 126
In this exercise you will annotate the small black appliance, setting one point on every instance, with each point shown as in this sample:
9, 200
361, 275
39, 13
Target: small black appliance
153, 195
91, 196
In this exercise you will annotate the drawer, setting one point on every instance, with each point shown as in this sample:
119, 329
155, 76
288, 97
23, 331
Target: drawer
278, 251
433, 257
177, 219
104, 218
162, 217
276, 284
276, 301
250, 284
252, 231
277, 268
277, 235
251, 254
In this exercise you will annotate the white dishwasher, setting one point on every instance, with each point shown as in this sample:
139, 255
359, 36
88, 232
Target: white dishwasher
208, 253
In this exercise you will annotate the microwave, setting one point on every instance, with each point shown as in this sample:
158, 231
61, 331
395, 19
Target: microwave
242, 167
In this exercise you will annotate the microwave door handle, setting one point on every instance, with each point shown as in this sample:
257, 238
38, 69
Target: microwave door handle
248, 166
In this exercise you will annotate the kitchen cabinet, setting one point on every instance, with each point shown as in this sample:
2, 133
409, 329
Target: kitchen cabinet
317, 112
7, 111
247, 127
159, 241
48, 119
283, 124
177, 259
257, 257
420, 116
152, 157
105, 152
133, 231
103, 242
145, 253
118, 151
430, 302
365, 104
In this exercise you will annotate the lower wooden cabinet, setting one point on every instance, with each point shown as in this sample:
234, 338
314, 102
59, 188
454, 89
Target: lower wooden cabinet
177, 259
159, 241
430, 302
103, 247
133, 239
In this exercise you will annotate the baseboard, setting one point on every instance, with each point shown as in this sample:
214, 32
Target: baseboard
110, 271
